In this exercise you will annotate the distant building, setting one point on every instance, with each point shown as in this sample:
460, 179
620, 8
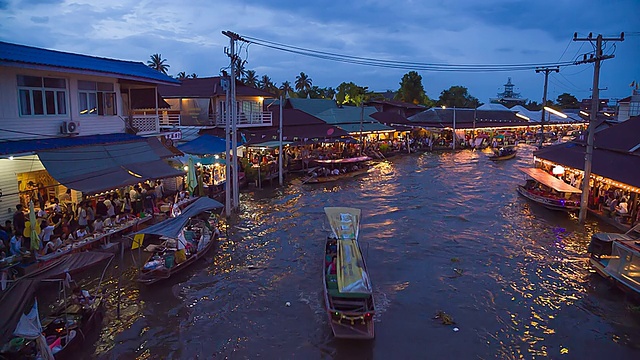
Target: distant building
508, 97
629, 106
605, 111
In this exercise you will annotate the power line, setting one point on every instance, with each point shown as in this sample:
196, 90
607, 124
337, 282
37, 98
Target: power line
395, 64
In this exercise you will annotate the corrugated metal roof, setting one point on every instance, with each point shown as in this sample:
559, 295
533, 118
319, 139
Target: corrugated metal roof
21, 54
312, 106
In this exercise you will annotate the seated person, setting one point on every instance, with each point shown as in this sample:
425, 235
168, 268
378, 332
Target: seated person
52, 246
622, 208
332, 269
82, 233
67, 239
98, 224
81, 297
111, 221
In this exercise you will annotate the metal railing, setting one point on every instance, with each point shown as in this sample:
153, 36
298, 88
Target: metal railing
247, 119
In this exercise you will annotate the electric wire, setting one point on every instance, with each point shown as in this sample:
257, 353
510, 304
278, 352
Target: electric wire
400, 64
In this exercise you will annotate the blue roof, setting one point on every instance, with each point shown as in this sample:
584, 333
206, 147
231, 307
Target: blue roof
14, 53
30, 146
204, 145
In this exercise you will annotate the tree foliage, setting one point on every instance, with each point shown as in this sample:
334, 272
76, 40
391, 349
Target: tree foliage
267, 85
303, 83
533, 106
250, 78
457, 96
567, 101
286, 89
351, 94
158, 63
411, 89
182, 75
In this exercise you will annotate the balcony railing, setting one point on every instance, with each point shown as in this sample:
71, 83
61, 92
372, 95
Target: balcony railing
252, 119
146, 124
247, 119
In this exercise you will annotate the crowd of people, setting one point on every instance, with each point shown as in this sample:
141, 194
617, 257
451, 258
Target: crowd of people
62, 223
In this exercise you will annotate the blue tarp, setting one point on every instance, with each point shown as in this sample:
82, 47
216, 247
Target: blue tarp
172, 227
204, 145
30, 146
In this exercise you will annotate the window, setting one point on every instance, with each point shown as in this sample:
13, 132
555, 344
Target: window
42, 95
96, 98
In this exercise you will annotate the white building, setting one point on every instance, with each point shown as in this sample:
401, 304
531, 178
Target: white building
50, 100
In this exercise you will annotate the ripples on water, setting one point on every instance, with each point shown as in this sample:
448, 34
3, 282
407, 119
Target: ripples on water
440, 232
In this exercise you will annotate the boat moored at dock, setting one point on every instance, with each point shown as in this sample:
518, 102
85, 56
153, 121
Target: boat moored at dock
549, 191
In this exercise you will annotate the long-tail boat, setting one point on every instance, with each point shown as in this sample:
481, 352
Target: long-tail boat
348, 294
549, 191
187, 236
328, 170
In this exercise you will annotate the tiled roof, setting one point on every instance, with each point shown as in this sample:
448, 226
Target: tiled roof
207, 87
21, 54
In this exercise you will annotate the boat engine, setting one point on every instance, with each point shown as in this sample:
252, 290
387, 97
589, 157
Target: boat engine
600, 244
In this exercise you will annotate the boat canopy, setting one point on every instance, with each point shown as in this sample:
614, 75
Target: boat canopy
351, 272
344, 161
549, 180
172, 227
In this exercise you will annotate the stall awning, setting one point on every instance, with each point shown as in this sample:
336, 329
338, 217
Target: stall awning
173, 226
96, 168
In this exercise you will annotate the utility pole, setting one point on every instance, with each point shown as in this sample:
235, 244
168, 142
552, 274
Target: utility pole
361, 126
227, 150
233, 37
546, 71
594, 112
280, 179
454, 128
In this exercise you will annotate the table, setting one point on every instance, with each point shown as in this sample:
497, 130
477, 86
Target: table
92, 240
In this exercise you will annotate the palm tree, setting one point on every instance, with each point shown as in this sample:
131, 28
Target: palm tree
241, 72
266, 83
303, 82
251, 79
182, 75
158, 63
194, 76
286, 88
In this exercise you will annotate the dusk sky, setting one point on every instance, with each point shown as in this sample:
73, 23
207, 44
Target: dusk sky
188, 35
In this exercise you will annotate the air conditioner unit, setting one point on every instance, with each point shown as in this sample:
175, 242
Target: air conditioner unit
70, 127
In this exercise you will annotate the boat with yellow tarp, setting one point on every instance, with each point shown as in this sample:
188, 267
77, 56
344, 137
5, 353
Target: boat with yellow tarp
347, 289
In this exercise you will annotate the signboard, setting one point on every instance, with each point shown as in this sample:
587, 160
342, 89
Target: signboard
173, 135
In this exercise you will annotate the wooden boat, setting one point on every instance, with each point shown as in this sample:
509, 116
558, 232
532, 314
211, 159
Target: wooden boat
616, 257
187, 238
348, 294
344, 168
549, 191
505, 153
65, 330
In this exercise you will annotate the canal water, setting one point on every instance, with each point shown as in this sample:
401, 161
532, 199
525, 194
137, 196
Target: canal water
440, 233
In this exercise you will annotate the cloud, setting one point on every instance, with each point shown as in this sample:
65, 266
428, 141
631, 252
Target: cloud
445, 32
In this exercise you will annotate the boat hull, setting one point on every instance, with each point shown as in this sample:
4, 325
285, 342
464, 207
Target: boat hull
332, 178
157, 275
600, 268
501, 158
345, 319
551, 204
